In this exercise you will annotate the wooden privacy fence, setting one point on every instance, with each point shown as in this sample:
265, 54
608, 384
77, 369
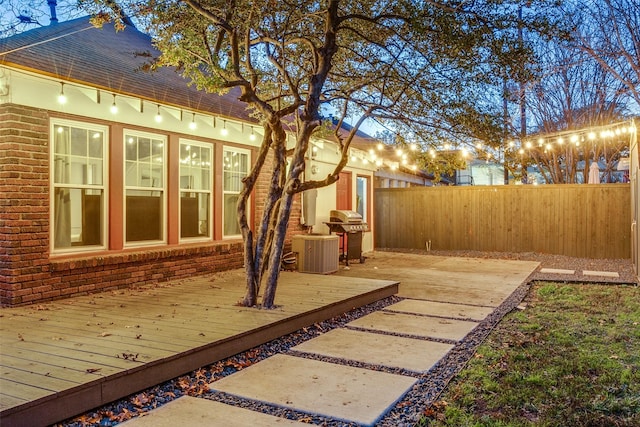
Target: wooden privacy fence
578, 220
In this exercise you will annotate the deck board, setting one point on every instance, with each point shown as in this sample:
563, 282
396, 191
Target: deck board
62, 358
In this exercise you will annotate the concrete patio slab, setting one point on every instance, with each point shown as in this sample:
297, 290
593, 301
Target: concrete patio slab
478, 281
342, 392
600, 273
434, 308
197, 412
377, 349
421, 326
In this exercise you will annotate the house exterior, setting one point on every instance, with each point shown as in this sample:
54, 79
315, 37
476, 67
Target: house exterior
112, 176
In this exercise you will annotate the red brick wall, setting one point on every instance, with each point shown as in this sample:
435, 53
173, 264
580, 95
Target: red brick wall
261, 191
24, 203
28, 274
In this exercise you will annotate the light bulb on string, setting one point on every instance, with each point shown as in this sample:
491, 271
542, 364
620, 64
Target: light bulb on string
114, 107
62, 98
158, 115
224, 130
252, 137
192, 124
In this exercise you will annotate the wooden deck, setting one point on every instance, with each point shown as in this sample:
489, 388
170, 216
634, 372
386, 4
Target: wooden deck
63, 358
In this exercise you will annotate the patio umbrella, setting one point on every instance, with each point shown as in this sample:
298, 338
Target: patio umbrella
594, 173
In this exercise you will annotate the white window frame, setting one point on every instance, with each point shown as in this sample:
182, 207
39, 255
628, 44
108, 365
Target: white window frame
125, 187
225, 192
104, 187
211, 148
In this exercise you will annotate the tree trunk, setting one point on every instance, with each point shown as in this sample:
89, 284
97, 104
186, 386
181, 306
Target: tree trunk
273, 269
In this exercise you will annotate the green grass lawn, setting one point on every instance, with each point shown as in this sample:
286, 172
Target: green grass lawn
570, 357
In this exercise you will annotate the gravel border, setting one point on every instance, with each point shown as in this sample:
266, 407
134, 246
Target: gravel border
408, 410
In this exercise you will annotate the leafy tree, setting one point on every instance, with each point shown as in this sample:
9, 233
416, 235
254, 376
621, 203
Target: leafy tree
418, 65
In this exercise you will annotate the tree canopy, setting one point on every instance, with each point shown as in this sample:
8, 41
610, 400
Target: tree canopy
418, 65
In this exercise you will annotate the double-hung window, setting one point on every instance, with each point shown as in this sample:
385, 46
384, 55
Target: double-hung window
235, 163
78, 178
195, 190
145, 192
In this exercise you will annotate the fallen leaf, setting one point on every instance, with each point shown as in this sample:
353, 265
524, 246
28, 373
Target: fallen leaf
92, 370
104, 334
20, 337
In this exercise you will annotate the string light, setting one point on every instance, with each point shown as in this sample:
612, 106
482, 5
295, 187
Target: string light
380, 146
252, 137
114, 107
158, 115
62, 98
224, 130
192, 124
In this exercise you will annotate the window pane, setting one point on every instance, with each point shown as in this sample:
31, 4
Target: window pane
131, 148
132, 174
94, 172
194, 214
95, 145
361, 196
144, 149
145, 179
144, 215
231, 227
79, 142
77, 219
61, 169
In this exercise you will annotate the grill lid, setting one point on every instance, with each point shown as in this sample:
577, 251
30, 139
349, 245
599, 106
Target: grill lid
351, 217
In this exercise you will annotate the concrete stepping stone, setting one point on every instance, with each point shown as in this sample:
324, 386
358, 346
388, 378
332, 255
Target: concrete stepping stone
556, 271
421, 326
386, 350
434, 308
198, 412
600, 273
342, 392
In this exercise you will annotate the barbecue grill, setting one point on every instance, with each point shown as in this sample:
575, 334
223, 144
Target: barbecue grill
349, 226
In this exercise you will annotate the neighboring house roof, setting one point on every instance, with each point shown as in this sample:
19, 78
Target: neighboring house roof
75, 51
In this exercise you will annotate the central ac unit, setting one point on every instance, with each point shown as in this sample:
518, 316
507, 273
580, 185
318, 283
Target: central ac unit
317, 253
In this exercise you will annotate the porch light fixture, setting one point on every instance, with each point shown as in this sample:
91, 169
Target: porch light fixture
62, 98
114, 107
252, 137
158, 115
192, 124
224, 130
